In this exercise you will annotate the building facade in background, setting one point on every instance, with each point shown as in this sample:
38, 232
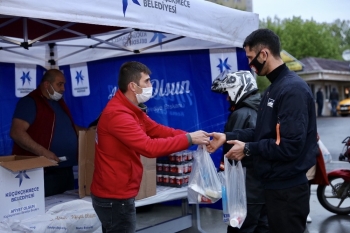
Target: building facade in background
326, 74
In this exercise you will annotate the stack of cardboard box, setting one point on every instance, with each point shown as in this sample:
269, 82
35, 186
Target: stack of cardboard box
22, 186
86, 167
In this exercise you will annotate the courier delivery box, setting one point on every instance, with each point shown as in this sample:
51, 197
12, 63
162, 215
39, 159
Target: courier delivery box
148, 185
22, 186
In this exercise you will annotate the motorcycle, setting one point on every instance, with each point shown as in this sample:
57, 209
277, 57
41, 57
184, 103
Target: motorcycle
335, 197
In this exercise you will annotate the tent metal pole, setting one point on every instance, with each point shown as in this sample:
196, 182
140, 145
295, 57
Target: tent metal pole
84, 46
124, 31
70, 54
25, 30
56, 26
52, 54
52, 32
165, 42
83, 35
91, 46
111, 44
10, 40
9, 21
22, 54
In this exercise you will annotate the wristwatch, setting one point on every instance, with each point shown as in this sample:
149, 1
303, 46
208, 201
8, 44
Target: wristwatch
246, 150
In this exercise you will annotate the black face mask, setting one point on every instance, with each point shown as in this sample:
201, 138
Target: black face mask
256, 65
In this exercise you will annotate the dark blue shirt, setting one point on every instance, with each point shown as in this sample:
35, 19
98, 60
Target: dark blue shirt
64, 141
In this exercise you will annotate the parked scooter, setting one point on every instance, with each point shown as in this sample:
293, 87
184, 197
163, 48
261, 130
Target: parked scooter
345, 155
335, 197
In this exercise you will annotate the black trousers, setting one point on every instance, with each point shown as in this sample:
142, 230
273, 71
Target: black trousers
287, 209
58, 180
116, 215
319, 108
255, 222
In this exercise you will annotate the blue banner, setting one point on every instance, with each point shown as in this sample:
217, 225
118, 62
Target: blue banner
8, 101
182, 97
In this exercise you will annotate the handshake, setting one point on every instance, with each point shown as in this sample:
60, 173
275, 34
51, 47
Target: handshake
214, 140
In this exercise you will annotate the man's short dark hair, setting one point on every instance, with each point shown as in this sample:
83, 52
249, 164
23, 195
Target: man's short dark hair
131, 72
50, 75
264, 38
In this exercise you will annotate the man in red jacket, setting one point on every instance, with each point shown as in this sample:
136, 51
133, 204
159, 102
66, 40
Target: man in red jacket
125, 132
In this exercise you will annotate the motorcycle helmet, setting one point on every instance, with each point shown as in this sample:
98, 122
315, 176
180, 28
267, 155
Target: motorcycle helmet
237, 84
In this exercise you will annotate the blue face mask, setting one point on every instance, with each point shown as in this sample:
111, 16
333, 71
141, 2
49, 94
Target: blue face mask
256, 65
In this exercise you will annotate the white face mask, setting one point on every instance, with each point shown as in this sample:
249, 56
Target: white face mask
55, 96
145, 95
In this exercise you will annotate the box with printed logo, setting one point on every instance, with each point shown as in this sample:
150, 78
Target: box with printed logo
148, 185
22, 186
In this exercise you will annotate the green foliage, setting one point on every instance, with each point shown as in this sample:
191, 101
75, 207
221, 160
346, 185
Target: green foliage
307, 38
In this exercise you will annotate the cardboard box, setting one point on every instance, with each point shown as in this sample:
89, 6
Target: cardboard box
86, 168
86, 161
22, 186
149, 178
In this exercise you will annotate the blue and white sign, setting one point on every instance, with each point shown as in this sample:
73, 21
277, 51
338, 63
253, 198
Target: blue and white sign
25, 79
80, 80
222, 60
22, 193
182, 96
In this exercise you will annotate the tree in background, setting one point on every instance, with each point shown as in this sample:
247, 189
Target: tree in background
307, 38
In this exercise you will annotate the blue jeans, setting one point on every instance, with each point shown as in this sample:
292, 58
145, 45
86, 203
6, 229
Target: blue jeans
116, 215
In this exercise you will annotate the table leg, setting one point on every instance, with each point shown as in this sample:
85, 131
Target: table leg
196, 219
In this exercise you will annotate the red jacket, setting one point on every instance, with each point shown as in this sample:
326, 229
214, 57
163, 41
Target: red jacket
124, 132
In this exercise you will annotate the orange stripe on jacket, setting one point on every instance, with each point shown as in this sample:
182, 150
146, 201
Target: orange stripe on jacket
278, 139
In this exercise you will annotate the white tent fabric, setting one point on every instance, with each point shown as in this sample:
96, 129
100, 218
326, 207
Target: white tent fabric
168, 25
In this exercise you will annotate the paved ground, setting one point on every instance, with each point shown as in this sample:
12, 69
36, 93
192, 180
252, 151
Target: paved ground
332, 131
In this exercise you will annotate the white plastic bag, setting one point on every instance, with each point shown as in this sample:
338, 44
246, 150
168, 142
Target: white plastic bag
327, 157
204, 185
225, 213
236, 193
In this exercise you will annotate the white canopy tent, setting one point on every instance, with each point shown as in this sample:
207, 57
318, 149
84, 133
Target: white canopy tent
62, 32
67, 32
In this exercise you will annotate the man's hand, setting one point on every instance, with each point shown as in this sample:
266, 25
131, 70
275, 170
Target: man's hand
236, 152
20, 136
200, 137
217, 141
50, 155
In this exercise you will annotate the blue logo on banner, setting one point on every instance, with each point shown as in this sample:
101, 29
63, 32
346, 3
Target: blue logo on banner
112, 90
223, 65
25, 77
20, 175
79, 77
125, 5
160, 37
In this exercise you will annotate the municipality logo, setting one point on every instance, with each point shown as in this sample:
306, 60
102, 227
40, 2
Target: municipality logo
21, 175
159, 36
79, 77
270, 102
125, 4
112, 90
223, 65
25, 76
